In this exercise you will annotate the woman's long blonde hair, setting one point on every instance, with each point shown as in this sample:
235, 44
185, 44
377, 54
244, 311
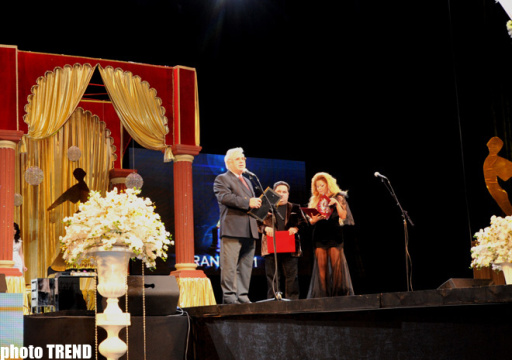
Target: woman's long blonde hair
331, 184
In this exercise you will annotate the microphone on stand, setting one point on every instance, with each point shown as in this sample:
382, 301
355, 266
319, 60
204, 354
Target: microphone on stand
406, 218
250, 173
378, 174
257, 184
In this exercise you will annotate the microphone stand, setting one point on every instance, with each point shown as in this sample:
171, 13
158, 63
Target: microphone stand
405, 219
278, 295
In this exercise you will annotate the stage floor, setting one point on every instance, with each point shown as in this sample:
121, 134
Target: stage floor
458, 323
423, 298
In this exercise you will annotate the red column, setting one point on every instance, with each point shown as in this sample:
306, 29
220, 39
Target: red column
8, 141
184, 211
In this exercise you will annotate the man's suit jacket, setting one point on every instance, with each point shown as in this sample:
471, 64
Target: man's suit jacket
293, 218
233, 198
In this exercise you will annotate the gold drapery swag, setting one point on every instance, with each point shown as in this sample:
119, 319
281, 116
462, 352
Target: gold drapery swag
138, 108
58, 93
54, 99
195, 292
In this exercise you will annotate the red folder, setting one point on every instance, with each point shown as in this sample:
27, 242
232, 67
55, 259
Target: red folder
285, 242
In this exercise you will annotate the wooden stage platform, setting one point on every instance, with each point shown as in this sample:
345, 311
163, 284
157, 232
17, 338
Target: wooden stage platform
449, 323
457, 323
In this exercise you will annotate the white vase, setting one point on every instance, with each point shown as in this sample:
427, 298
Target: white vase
112, 266
507, 271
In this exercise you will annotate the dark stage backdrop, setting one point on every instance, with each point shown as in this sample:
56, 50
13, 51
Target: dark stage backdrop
415, 96
413, 90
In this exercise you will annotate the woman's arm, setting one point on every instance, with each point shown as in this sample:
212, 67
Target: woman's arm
341, 208
22, 258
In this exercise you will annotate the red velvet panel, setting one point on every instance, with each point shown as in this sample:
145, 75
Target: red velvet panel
33, 65
8, 88
185, 112
188, 106
174, 138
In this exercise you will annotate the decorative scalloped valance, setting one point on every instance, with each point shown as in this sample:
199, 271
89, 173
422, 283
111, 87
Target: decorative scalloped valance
139, 109
54, 99
58, 93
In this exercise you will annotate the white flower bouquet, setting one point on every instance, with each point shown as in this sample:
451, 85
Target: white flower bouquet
494, 244
119, 218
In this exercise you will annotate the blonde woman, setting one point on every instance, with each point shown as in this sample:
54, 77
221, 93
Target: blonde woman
330, 276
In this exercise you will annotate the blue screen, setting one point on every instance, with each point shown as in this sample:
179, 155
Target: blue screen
158, 186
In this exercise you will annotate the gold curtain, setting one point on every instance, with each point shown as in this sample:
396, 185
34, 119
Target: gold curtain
138, 108
40, 229
54, 99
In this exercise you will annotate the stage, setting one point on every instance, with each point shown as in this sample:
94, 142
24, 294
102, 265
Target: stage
445, 323
458, 323
460, 320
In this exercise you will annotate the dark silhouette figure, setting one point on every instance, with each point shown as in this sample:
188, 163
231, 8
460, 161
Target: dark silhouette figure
78, 192
497, 167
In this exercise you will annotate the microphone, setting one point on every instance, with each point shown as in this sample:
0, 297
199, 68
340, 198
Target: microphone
249, 173
378, 174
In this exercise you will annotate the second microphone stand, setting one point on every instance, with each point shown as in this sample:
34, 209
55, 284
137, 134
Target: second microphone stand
278, 295
406, 219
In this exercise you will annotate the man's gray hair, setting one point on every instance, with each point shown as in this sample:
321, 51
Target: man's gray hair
232, 153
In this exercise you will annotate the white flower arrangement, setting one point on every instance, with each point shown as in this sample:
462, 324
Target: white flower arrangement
119, 218
494, 244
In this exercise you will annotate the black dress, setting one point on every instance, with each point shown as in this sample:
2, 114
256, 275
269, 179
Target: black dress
328, 235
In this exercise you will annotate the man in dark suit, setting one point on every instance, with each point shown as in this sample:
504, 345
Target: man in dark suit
287, 217
238, 230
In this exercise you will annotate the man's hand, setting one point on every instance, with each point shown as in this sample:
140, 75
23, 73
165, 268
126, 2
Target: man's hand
269, 231
293, 230
254, 203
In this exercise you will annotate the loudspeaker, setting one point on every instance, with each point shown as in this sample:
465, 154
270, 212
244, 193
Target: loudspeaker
161, 293
464, 283
3, 284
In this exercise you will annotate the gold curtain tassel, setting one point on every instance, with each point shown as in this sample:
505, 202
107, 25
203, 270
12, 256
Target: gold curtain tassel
168, 155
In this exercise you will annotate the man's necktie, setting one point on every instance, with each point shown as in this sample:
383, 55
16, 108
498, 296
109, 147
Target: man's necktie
243, 181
